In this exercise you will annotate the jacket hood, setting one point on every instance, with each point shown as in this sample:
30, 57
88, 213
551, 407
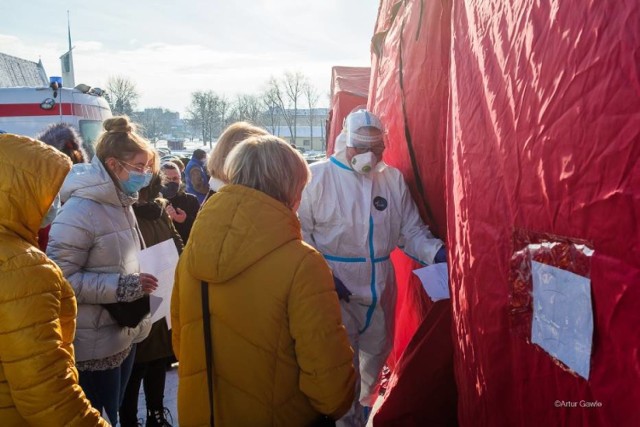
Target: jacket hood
90, 181
31, 174
236, 228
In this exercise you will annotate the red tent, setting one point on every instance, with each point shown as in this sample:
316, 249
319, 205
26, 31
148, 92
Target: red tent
409, 91
349, 89
516, 125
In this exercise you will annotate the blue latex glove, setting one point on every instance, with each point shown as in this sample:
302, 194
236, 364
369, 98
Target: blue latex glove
441, 255
343, 292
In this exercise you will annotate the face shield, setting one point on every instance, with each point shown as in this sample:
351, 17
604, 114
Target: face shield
364, 132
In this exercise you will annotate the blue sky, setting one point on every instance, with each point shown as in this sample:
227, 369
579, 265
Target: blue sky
172, 48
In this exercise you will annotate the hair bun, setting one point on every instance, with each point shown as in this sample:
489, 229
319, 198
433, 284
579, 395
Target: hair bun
119, 124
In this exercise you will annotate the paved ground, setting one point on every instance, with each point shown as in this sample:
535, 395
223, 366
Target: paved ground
171, 399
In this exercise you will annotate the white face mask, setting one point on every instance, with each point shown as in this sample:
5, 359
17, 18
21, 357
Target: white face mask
52, 212
364, 163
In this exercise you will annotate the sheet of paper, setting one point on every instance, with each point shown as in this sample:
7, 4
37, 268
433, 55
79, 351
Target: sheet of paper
161, 261
435, 281
562, 316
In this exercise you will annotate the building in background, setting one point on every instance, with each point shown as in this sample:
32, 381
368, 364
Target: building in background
307, 138
160, 123
310, 129
15, 72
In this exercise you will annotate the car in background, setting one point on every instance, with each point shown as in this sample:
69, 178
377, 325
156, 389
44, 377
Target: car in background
163, 151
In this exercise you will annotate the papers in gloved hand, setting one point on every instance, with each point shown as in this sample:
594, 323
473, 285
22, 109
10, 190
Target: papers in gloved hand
435, 280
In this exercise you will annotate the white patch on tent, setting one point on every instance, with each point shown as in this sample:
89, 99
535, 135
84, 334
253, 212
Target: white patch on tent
562, 316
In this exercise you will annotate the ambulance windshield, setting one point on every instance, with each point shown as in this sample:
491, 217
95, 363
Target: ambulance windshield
90, 130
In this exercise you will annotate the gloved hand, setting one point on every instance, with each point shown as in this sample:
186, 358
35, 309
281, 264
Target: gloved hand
343, 292
441, 255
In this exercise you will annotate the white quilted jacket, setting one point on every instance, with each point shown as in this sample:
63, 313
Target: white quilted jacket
95, 239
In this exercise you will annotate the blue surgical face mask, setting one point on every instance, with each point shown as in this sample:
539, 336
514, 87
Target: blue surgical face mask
52, 212
136, 182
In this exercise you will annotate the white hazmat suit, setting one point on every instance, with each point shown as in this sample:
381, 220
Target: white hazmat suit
355, 220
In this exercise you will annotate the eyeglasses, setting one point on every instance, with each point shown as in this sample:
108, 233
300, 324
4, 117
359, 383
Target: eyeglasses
142, 168
375, 150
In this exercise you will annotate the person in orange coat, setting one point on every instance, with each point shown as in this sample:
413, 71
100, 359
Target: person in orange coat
281, 355
38, 380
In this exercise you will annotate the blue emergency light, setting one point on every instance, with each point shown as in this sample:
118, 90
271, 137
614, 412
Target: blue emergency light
55, 79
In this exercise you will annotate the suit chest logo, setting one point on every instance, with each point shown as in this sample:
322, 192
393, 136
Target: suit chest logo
380, 203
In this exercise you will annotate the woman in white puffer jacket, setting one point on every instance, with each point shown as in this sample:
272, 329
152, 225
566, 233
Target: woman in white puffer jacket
95, 240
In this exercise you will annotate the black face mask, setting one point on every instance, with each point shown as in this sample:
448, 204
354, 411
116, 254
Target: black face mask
170, 190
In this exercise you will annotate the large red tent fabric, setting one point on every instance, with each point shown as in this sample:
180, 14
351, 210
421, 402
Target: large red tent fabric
413, 110
516, 123
409, 91
545, 119
349, 89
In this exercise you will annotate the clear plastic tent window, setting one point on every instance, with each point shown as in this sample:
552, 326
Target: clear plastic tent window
550, 298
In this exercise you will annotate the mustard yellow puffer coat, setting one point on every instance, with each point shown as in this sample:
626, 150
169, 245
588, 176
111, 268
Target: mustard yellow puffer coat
38, 380
281, 354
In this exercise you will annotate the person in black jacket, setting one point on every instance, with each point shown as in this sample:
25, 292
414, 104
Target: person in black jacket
155, 351
182, 207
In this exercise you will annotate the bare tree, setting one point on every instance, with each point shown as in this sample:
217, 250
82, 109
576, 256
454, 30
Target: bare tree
203, 112
287, 93
212, 102
193, 126
269, 101
247, 108
198, 113
312, 96
209, 113
224, 108
122, 95
156, 122
293, 84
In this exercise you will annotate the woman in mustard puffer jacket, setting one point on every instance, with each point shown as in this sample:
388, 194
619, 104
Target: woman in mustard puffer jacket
281, 356
38, 380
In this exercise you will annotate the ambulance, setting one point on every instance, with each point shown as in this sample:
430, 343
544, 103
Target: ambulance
29, 110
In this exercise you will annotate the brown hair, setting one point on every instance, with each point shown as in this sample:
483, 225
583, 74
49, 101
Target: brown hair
151, 192
170, 165
232, 136
269, 164
120, 140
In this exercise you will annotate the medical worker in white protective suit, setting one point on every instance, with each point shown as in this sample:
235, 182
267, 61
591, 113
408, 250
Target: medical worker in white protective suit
355, 211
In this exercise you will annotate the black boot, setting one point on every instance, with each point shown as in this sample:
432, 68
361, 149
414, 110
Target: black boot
158, 418
136, 423
129, 420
